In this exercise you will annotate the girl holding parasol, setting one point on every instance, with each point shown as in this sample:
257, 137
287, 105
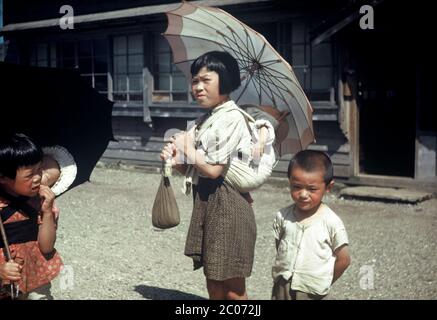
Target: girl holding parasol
222, 233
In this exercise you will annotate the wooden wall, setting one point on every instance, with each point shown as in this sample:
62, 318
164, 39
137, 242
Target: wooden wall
140, 145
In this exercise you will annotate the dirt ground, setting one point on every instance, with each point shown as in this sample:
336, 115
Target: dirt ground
111, 250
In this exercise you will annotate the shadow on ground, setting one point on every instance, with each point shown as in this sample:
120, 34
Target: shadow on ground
156, 293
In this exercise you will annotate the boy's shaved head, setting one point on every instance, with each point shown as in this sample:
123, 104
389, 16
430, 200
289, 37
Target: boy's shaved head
310, 161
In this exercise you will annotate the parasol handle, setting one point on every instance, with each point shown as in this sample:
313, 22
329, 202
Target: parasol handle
5, 242
13, 288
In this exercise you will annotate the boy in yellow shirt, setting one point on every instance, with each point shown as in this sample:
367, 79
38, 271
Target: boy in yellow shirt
311, 240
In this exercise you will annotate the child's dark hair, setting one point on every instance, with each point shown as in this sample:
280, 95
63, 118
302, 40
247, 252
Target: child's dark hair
224, 64
17, 150
311, 160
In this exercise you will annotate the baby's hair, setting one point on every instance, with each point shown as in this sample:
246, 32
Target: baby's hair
224, 64
17, 150
310, 161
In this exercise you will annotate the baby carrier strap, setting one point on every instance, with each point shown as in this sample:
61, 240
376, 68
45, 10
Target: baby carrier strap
6, 213
247, 118
20, 232
19, 204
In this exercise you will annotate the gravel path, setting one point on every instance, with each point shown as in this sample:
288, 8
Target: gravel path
111, 250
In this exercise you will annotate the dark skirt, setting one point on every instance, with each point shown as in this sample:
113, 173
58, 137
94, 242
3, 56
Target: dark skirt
222, 232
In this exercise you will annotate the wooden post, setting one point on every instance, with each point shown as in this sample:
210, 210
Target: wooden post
147, 94
350, 96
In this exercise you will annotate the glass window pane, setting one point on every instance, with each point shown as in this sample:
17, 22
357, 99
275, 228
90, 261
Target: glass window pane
285, 51
163, 45
85, 65
180, 96
136, 44
321, 78
179, 83
33, 57
135, 63
136, 96
135, 83
164, 62
101, 83
100, 47
286, 33
68, 50
300, 74
53, 51
42, 63
100, 64
308, 54
322, 55
88, 80
298, 30
307, 79
120, 96
120, 65
162, 82
68, 63
84, 48
42, 51
120, 83
298, 55
120, 45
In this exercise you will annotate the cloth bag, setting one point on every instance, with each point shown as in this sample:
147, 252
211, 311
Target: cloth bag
165, 212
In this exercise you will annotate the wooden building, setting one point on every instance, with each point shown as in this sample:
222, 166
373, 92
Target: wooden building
369, 87
3, 49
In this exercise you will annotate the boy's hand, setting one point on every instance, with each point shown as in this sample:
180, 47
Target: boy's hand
47, 199
10, 271
3, 203
342, 261
55, 212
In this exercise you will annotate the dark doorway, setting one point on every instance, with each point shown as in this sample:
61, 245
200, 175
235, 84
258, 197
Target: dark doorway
384, 63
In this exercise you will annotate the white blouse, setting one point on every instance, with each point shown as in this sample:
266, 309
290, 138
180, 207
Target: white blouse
226, 135
306, 250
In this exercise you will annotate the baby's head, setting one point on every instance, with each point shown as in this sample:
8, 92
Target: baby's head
310, 174
20, 165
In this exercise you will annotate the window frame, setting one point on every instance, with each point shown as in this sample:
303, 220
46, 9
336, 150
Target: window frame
174, 71
55, 58
128, 93
309, 67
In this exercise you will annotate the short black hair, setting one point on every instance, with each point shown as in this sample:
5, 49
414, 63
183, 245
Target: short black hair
224, 64
310, 161
17, 150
